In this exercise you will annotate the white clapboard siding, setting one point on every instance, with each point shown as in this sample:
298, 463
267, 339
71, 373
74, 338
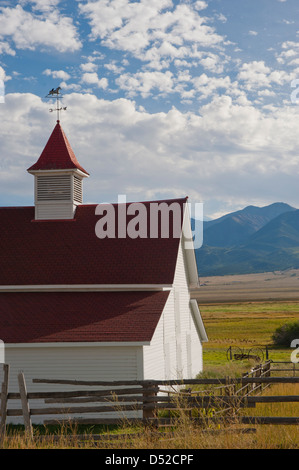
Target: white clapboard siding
106, 363
54, 211
187, 326
175, 351
160, 357
181, 283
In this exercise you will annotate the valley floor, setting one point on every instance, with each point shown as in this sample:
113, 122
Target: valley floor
271, 286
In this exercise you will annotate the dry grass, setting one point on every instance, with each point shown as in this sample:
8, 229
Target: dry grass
226, 434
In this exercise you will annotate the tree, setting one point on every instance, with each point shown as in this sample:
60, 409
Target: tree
286, 333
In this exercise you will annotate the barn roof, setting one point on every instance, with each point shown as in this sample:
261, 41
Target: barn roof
42, 317
68, 252
57, 154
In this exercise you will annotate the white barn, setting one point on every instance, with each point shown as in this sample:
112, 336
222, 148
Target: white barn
76, 306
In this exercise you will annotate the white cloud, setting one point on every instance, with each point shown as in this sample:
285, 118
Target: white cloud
6, 49
145, 82
213, 63
29, 31
151, 31
57, 74
70, 86
257, 74
290, 51
3, 76
93, 79
89, 67
42, 5
227, 152
114, 68
221, 17
200, 5
206, 86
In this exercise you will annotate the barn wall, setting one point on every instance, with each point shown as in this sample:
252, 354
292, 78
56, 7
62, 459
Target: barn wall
175, 351
75, 362
189, 346
160, 356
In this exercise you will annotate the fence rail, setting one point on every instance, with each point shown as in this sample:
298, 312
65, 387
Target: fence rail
147, 398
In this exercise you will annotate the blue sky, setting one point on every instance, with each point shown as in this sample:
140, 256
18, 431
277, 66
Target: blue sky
164, 98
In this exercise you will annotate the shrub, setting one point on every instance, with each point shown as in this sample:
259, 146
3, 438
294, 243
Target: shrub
286, 333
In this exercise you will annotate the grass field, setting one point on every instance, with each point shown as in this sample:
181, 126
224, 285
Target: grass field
244, 324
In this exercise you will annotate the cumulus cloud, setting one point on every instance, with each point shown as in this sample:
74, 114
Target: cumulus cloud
57, 74
89, 67
145, 82
257, 74
249, 155
42, 5
150, 31
6, 49
26, 30
92, 78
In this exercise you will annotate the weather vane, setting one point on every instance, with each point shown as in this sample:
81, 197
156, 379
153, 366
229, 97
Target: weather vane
55, 93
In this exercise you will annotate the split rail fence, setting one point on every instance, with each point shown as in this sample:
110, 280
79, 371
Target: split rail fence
149, 398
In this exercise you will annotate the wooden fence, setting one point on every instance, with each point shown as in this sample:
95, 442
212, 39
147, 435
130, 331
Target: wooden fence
147, 398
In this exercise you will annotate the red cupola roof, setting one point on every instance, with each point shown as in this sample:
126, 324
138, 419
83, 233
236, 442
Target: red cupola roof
57, 154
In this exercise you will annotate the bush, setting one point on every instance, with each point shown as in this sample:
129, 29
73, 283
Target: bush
286, 333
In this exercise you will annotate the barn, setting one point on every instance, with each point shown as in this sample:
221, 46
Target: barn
80, 298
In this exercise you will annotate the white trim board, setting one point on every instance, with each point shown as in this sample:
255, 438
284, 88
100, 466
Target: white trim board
86, 288
76, 344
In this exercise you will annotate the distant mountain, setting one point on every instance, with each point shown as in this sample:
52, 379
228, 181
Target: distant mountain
235, 228
251, 240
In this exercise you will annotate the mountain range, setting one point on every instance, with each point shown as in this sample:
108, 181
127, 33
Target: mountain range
251, 240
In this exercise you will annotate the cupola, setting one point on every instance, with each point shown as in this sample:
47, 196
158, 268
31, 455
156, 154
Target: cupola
58, 179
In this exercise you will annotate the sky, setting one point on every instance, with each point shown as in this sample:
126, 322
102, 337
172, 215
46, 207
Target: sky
164, 98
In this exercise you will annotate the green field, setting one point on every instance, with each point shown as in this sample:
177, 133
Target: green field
247, 325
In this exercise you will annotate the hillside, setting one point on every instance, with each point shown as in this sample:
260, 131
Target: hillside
251, 241
235, 228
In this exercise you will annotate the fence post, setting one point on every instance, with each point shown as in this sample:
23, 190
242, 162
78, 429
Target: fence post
259, 374
25, 404
268, 369
148, 412
227, 389
4, 393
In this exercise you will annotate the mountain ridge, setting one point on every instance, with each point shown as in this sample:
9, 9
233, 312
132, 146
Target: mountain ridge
244, 245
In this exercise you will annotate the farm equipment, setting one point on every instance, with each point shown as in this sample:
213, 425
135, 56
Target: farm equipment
238, 354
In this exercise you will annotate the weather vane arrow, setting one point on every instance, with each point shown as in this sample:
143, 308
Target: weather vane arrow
55, 93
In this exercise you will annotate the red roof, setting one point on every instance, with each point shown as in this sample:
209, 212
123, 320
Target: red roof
57, 154
31, 317
69, 252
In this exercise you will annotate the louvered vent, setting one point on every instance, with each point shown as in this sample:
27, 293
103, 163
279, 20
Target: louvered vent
54, 188
78, 189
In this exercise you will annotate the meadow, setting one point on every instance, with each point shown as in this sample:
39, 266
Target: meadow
246, 325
